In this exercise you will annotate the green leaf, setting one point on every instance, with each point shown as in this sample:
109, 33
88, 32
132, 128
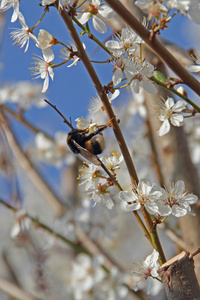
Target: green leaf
160, 77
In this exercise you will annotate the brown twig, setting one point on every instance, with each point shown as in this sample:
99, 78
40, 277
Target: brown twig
21, 119
14, 291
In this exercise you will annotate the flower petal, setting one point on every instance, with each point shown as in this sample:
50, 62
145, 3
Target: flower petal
99, 25
177, 120
193, 68
165, 128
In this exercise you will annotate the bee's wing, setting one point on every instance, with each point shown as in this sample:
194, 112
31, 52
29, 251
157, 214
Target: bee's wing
89, 156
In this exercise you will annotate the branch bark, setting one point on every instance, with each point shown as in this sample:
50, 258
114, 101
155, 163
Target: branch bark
179, 278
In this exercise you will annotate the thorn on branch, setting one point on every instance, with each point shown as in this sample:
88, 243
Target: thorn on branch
173, 81
108, 88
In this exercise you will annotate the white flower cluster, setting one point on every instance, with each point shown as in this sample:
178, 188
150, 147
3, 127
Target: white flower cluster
136, 70
191, 8
96, 185
43, 64
53, 152
22, 93
88, 280
171, 200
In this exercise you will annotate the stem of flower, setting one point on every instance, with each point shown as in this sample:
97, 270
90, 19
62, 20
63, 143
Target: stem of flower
91, 36
176, 93
62, 63
155, 241
44, 13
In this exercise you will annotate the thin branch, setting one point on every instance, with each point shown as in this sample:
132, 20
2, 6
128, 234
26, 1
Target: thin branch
30, 170
155, 45
26, 123
14, 291
64, 119
176, 93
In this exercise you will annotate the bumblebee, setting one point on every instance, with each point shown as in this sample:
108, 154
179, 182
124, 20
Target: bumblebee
88, 144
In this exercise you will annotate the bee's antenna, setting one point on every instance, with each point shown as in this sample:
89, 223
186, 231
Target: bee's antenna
64, 119
71, 121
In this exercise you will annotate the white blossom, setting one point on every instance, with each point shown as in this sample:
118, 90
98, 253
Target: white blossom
98, 12
45, 42
128, 42
53, 152
122, 66
86, 274
136, 105
26, 94
22, 36
99, 193
144, 70
6, 4
69, 53
22, 93
113, 161
96, 103
151, 7
182, 5
21, 227
43, 69
195, 68
147, 270
114, 286
144, 194
175, 200
194, 11
61, 3
170, 112
88, 175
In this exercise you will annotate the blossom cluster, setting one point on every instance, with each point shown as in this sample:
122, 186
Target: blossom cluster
44, 64
96, 185
88, 280
22, 93
191, 8
159, 201
137, 70
52, 152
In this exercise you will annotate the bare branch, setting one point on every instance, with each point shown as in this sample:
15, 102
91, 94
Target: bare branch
14, 291
30, 170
